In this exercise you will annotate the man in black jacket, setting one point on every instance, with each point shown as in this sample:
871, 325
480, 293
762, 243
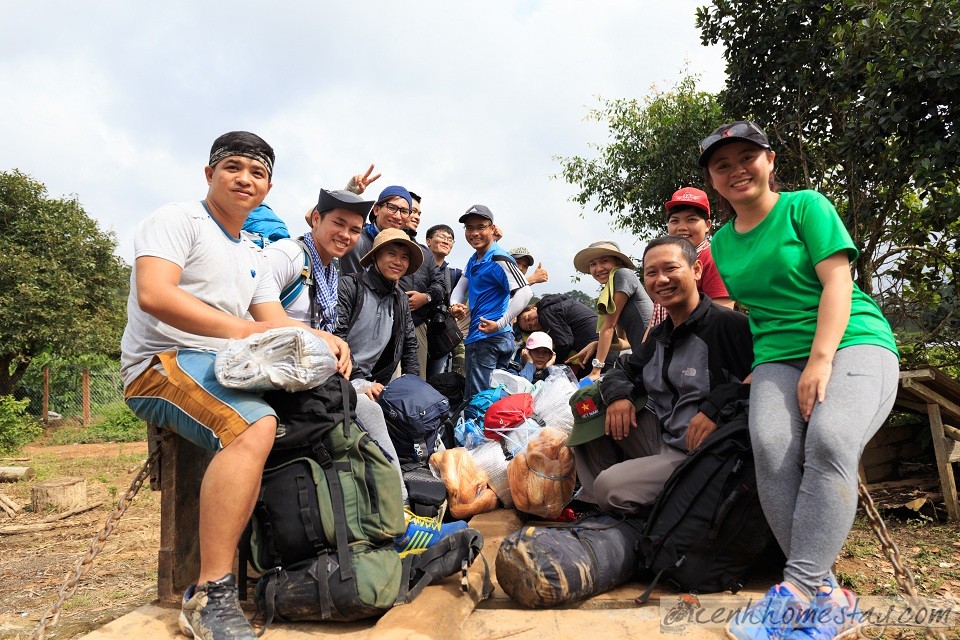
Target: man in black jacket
571, 325
692, 368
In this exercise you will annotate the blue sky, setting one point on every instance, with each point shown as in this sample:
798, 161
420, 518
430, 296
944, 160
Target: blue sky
465, 103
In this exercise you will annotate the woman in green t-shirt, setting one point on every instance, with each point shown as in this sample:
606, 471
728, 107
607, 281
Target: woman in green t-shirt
824, 379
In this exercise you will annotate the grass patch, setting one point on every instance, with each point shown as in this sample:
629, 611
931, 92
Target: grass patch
49, 466
114, 423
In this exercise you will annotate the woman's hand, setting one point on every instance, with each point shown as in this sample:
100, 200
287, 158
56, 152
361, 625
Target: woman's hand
813, 385
583, 356
621, 417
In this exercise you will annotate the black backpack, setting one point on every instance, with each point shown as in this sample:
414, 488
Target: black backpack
415, 413
707, 530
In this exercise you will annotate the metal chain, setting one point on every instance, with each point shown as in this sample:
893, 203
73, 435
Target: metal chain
52, 615
901, 574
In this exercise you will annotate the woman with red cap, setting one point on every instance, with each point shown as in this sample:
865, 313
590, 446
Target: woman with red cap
819, 342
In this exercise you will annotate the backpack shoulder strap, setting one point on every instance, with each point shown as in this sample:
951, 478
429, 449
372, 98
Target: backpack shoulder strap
358, 297
292, 291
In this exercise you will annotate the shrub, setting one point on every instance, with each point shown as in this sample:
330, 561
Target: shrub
114, 423
16, 429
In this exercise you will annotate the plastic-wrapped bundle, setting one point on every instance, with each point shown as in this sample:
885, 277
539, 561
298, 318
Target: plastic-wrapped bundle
288, 358
551, 400
517, 438
490, 459
511, 382
542, 479
467, 486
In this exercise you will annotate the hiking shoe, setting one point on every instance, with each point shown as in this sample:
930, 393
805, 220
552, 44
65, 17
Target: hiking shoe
211, 611
833, 614
422, 533
770, 618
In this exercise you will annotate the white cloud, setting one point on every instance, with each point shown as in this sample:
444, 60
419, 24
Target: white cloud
118, 102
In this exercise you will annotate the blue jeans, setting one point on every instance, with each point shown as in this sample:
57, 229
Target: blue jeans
483, 356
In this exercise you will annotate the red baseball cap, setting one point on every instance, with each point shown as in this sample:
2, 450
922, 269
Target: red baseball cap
689, 197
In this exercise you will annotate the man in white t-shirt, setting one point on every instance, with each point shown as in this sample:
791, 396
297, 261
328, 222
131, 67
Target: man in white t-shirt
306, 270
196, 282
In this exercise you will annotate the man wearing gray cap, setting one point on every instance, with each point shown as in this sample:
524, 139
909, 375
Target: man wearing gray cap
525, 261
497, 292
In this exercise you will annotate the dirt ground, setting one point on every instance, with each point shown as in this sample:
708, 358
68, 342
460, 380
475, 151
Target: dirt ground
34, 565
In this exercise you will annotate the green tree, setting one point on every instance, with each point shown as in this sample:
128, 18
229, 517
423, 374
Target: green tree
652, 152
861, 101
62, 289
579, 295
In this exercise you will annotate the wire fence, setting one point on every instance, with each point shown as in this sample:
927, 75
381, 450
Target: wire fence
71, 392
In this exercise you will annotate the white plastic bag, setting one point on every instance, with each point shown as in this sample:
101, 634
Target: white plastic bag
551, 400
490, 458
289, 358
511, 382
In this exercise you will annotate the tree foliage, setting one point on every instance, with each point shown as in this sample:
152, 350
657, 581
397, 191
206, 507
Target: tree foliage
652, 152
62, 289
580, 296
862, 102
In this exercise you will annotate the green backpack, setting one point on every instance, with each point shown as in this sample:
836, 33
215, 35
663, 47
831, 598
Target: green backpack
328, 512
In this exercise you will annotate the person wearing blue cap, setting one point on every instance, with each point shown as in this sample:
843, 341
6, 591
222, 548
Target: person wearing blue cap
424, 288
497, 293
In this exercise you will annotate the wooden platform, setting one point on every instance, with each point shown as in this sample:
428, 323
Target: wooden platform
931, 392
444, 612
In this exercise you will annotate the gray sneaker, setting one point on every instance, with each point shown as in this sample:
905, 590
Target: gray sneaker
211, 611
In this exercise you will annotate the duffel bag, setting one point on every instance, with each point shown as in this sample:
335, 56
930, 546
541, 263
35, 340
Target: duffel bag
548, 566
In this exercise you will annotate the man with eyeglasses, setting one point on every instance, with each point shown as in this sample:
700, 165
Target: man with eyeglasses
424, 287
414, 222
440, 242
497, 293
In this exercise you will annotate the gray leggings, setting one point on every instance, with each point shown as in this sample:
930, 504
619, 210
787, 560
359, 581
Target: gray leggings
807, 472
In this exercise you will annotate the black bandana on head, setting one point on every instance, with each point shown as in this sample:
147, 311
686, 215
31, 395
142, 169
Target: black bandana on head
244, 144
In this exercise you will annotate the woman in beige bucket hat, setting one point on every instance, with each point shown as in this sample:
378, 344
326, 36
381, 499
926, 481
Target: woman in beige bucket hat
623, 303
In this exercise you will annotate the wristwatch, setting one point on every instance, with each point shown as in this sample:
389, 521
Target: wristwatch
597, 364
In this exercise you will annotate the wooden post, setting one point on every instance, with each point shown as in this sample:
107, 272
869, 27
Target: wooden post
45, 410
182, 465
945, 458
86, 396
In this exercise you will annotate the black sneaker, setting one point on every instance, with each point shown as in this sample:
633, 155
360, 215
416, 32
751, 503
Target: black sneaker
211, 611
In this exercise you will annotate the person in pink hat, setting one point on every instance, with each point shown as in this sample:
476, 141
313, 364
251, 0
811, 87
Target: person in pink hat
538, 354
